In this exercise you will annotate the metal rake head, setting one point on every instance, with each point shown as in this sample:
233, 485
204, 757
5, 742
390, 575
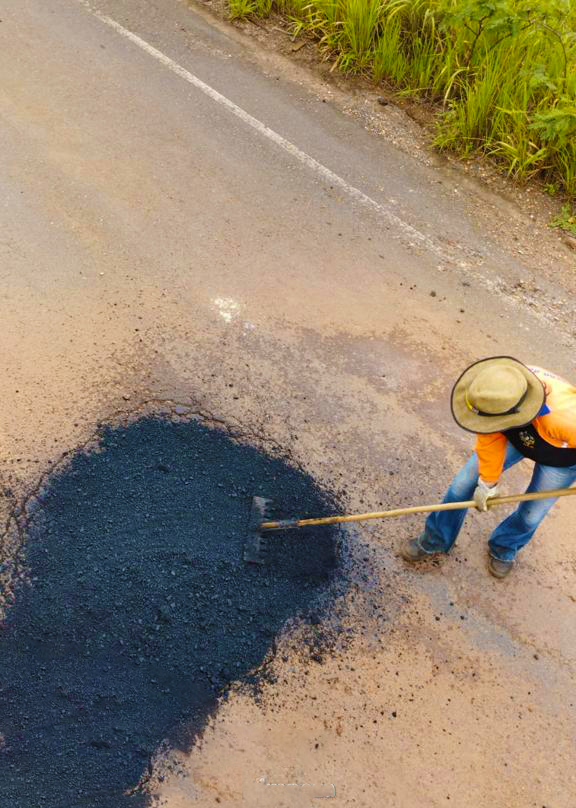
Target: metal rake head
255, 546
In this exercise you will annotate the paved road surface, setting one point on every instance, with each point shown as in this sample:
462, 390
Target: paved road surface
189, 226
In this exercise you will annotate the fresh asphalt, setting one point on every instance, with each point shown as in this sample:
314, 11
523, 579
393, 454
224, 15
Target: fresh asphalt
140, 611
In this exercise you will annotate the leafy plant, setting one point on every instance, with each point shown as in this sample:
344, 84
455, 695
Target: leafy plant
566, 220
556, 125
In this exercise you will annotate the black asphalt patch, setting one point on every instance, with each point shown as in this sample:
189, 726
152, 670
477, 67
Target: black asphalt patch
138, 610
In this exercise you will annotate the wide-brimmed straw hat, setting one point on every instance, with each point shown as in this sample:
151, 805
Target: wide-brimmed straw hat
496, 394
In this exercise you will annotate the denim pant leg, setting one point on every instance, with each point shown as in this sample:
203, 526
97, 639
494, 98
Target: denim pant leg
518, 528
443, 527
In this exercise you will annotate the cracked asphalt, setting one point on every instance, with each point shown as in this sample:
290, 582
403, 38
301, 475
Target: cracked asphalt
161, 258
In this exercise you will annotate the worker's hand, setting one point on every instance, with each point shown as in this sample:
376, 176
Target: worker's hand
484, 492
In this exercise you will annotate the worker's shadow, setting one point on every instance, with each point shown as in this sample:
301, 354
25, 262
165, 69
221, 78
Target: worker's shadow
138, 611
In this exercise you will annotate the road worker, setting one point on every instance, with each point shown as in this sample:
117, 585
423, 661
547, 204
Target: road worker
516, 412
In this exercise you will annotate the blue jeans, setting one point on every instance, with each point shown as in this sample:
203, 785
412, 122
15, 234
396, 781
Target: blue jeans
516, 530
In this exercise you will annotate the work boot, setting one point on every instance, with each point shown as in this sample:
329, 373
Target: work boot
412, 550
499, 568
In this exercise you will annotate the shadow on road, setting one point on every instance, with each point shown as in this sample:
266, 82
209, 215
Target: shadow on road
138, 610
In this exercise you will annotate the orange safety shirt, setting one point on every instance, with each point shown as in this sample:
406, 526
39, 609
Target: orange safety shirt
558, 427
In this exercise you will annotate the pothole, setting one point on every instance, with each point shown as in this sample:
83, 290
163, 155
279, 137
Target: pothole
136, 611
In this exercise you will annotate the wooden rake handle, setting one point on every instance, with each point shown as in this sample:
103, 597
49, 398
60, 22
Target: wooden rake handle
445, 506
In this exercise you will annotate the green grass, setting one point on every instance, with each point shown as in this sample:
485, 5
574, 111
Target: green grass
502, 72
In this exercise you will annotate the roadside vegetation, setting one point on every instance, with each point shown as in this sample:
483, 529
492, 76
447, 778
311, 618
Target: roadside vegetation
502, 72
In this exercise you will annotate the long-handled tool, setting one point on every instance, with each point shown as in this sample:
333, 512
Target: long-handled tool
255, 545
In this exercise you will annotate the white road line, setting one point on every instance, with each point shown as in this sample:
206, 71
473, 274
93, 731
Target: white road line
414, 236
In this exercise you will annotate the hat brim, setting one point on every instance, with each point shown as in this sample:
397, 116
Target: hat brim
486, 425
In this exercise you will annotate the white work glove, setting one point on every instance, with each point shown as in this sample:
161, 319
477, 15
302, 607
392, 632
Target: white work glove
484, 492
